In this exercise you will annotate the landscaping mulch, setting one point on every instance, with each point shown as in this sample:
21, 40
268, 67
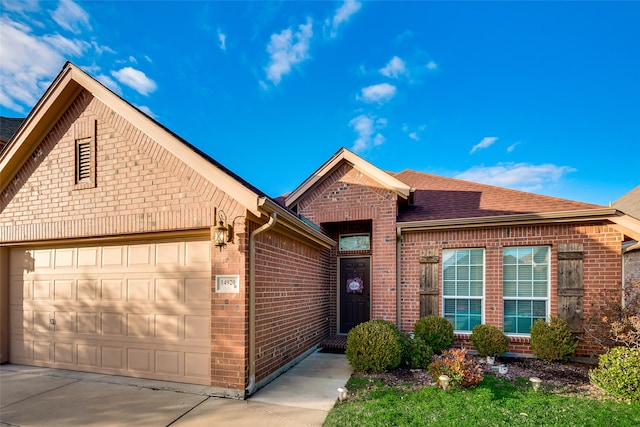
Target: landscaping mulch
570, 378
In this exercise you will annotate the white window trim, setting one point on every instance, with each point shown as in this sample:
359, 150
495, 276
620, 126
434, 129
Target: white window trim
547, 299
482, 299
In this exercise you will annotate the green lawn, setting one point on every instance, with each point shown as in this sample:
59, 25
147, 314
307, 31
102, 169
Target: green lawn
495, 402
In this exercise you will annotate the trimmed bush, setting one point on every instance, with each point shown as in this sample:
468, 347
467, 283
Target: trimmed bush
489, 340
618, 372
374, 346
462, 371
435, 331
416, 354
552, 341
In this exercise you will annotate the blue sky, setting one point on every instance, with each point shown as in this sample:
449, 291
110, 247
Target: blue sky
535, 96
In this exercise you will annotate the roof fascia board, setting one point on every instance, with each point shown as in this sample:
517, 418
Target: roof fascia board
219, 178
44, 115
513, 220
296, 227
359, 163
628, 225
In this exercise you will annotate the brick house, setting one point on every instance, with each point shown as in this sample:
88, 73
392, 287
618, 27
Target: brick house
111, 262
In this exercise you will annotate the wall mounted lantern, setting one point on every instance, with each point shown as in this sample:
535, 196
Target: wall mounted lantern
222, 233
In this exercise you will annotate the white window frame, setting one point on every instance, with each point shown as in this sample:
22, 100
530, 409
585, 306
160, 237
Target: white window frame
546, 299
464, 297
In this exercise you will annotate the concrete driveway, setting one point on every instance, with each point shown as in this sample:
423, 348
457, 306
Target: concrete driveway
31, 396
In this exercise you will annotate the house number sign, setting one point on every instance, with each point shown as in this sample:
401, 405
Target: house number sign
228, 284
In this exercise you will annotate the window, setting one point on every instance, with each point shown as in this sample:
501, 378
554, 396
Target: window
463, 287
525, 287
355, 242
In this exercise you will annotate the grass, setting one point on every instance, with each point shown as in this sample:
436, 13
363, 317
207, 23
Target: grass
495, 402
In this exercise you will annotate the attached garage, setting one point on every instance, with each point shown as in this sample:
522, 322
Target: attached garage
136, 309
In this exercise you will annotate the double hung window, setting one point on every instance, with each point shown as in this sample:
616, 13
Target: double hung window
525, 287
463, 287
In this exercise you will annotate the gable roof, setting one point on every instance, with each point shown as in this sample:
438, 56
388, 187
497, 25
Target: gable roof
629, 203
66, 87
8, 128
441, 202
343, 155
64, 90
437, 197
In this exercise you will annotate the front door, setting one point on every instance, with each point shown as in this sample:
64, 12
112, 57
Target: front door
355, 292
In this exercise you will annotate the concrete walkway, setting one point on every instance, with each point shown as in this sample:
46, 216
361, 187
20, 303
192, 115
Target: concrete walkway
32, 396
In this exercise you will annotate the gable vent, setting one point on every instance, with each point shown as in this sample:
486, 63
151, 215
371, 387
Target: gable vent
83, 156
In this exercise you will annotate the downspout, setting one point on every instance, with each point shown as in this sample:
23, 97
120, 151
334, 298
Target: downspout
251, 387
398, 277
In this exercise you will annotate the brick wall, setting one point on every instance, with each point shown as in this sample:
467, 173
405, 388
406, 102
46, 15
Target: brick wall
602, 266
292, 300
140, 186
347, 195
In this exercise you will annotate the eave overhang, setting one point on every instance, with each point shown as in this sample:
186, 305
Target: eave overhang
624, 223
384, 179
289, 224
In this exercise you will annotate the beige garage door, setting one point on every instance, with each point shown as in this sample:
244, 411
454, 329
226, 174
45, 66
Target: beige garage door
140, 310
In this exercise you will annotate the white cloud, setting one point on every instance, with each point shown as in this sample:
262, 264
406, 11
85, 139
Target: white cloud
486, 142
512, 147
520, 176
109, 82
414, 136
366, 127
378, 93
342, 15
68, 46
100, 49
135, 79
20, 75
394, 68
146, 110
431, 65
222, 38
285, 52
71, 17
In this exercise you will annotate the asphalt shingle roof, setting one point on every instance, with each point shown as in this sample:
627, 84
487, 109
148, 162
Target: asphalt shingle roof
438, 198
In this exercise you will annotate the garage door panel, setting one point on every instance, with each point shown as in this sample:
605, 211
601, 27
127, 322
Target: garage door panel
63, 290
87, 323
112, 290
63, 353
139, 290
43, 351
87, 257
63, 258
140, 310
87, 290
112, 324
168, 289
87, 355
114, 257
139, 325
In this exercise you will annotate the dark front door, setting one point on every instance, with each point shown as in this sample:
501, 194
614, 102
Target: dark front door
355, 292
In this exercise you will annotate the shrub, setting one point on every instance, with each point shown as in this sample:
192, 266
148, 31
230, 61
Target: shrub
462, 371
489, 340
374, 346
613, 323
552, 341
618, 372
435, 331
416, 354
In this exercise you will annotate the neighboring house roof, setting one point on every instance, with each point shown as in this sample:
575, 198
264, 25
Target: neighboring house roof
629, 203
343, 155
438, 197
8, 128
